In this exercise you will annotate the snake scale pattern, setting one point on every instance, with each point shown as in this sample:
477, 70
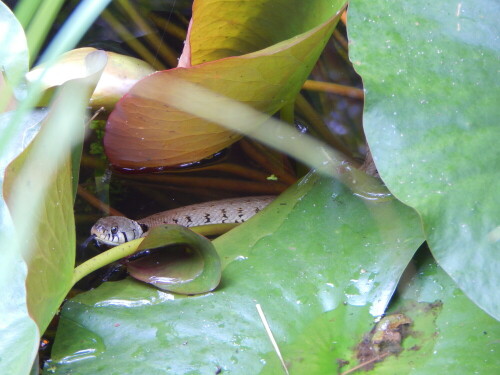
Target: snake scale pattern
115, 230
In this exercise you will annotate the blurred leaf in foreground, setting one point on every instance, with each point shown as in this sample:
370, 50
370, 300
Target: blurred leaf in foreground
39, 195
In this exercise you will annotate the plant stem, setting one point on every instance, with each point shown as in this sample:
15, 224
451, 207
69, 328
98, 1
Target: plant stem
129, 248
105, 258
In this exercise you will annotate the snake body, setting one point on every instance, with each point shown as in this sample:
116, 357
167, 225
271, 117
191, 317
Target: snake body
115, 230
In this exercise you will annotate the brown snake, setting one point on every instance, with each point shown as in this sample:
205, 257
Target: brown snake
115, 230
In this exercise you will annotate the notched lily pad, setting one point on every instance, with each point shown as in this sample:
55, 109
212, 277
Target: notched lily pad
295, 260
178, 260
413, 65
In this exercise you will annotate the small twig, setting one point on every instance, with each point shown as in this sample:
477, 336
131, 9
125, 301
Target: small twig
318, 125
96, 113
167, 53
233, 185
333, 88
237, 170
97, 203
169, 27
361, 365
271, 337
129, 38
270, 160
343, 17
341, 39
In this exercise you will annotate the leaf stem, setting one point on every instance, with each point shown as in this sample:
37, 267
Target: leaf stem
105, 258
129, 248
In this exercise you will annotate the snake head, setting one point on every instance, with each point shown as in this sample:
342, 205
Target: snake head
115, 230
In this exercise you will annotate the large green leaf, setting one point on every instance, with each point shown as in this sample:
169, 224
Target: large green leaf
431, 119
147, 130
19, 331
319, 260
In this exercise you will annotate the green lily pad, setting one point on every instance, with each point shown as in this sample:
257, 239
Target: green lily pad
319, 258
446, 333
449, 333
431, 120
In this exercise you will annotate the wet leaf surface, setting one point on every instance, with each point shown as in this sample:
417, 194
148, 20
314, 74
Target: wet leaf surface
317, 260
433, 327
449, 332
431, 120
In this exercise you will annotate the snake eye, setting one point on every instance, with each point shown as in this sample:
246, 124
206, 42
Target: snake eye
114, 230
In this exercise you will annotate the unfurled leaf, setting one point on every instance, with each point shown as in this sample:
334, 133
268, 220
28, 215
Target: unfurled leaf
221, 28
145, 130
120, 74
180, 261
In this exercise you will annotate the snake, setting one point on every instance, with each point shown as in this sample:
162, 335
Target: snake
116, 230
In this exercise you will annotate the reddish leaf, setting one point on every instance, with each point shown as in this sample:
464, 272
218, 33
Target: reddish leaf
144, 130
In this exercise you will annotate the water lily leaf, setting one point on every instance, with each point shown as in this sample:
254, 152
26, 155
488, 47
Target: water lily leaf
318, 259
144, 130
39, 194
433, 324
431, 120
446, 325
192, 266
221, 29
120, 74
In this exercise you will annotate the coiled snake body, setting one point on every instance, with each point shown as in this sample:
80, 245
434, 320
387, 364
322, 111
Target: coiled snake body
115, 230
